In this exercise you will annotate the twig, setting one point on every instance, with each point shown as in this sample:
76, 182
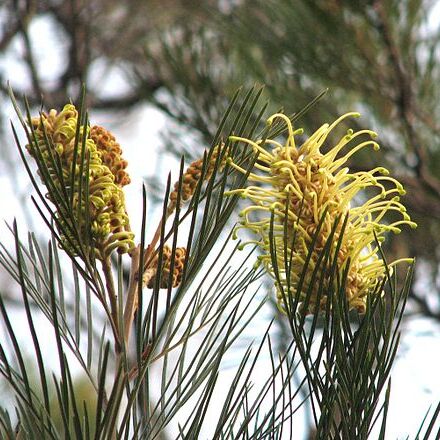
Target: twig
136, 272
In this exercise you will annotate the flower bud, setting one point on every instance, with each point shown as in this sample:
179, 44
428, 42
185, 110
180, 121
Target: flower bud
179, 263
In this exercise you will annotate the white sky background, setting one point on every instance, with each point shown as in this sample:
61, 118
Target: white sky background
415, 375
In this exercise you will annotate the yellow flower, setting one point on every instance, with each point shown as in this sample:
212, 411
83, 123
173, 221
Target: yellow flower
109, 225
300, 187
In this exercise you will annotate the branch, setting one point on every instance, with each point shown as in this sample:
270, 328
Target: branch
405, 100
8, 35
56, 98
22, 21
424, 306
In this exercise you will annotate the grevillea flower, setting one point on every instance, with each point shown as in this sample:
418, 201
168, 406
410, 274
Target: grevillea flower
303, 191
109, 224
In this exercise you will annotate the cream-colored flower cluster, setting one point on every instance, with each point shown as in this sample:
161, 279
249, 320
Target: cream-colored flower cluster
305, 191
109, 224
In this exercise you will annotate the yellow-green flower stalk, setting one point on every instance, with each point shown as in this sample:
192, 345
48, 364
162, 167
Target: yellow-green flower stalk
300, 186
109, 224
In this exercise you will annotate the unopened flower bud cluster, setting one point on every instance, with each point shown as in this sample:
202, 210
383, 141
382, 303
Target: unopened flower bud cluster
192, 177
179, 262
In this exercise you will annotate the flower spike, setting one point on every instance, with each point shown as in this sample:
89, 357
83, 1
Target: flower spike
53, 145
309, 193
